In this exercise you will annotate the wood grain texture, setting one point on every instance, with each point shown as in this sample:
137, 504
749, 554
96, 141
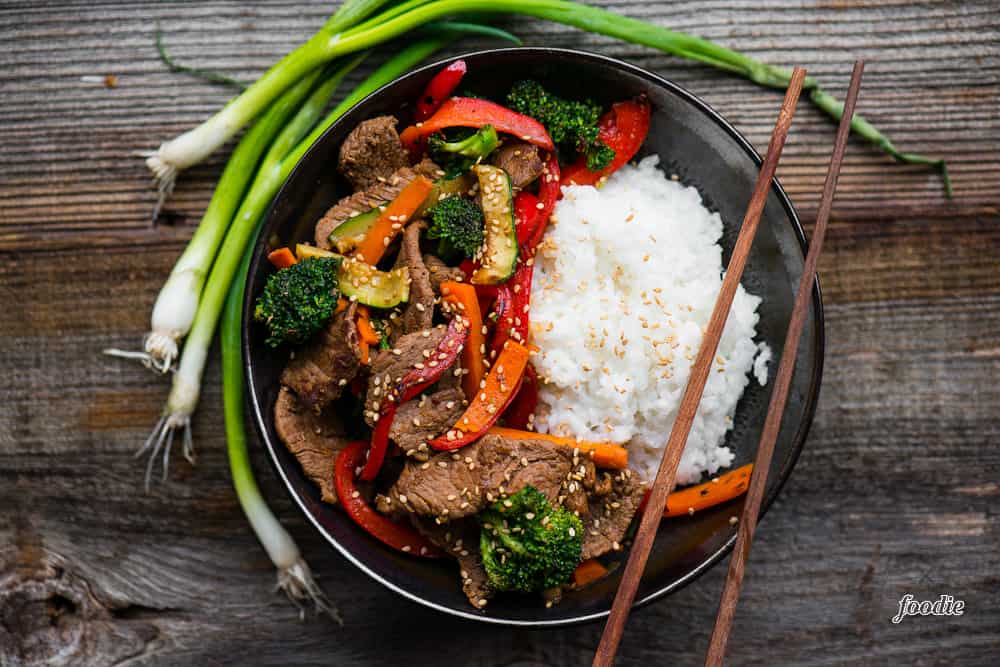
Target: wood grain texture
896, 492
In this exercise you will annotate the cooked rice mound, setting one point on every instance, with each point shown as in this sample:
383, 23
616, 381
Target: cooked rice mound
624, 284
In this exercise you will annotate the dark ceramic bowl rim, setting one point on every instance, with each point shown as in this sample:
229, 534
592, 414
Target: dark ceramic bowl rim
799, 438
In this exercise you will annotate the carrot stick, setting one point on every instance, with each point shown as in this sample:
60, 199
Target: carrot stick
588, 571
603, 454
366, 334
365, 329
464, 299
702, 496
393, 218
282, 258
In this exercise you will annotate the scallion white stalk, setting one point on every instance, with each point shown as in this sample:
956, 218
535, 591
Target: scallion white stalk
186, 386
177, 302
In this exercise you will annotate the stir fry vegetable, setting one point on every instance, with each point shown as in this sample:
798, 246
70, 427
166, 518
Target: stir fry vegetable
392, 219
624, 129
491, 401
461, 298
438, 90
603, 454
475, 113
572, 124
299, 300
732, 484
527, 544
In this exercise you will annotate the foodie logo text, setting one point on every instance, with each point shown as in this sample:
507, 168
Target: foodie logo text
946, 605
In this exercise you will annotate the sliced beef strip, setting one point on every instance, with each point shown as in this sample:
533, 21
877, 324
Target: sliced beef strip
313, 439
521, 161
421, 419
442, 273
372, 151
419, 311
389, 366
319, 370
611, 514
452, 485
378, 194
460, 539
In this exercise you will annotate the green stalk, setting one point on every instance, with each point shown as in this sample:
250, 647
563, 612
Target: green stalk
187, 381
352, 12
294, 576
191, 147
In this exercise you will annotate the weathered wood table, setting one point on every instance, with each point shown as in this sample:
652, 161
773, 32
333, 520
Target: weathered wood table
897, 491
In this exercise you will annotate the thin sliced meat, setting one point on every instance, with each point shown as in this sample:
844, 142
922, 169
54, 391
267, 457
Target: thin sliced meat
424, 418
610, 514
460, 540
521, 161
441, 273
371, 152
319, 370
419, 312
379, 194
452, 485
313, 439
389, 366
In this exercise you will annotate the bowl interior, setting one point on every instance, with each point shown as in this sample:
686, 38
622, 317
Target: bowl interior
705, 152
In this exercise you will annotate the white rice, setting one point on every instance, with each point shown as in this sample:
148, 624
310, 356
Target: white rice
625, 281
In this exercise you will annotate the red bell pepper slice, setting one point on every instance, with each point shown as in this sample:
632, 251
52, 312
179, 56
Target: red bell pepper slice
624, 129
438, 90
412, 383
525, 217
502, 384
549, 192
512, 310
474, 112
519, 413
396, 535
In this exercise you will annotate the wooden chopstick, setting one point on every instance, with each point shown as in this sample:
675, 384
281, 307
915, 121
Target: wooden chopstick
664, 482
782, 384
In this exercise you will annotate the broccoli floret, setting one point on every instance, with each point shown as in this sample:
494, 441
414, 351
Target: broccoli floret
298, 301
457, 156
527, 544
571, 124
457, 225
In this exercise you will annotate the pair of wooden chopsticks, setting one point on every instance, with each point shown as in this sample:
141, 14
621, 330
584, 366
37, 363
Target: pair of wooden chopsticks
665, 476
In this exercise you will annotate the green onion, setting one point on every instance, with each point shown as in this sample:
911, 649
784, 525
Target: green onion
295, 578
194, 145
186, 386
177, 302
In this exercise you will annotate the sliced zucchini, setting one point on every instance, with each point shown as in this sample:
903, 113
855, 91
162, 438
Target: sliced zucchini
499, 254
347, 235
445, 187
363, 282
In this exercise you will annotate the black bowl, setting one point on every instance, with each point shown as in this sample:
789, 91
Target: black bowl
695, 143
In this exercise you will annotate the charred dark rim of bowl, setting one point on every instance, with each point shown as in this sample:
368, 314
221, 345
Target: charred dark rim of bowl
812, 395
